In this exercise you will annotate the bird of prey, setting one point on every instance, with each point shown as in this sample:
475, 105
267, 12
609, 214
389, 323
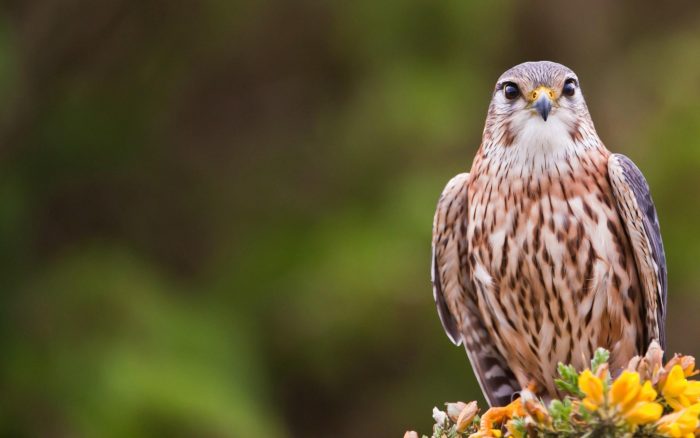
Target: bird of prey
550, 246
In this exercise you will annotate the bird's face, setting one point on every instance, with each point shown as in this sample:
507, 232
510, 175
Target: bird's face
536, 101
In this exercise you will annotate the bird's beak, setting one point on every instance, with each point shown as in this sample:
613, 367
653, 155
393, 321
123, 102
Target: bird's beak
542, 101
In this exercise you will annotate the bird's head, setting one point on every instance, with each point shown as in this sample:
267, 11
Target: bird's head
538, 102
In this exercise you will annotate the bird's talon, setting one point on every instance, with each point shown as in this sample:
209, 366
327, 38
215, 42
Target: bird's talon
498, 415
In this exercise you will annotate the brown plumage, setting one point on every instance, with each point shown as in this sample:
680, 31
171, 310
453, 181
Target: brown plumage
550, 247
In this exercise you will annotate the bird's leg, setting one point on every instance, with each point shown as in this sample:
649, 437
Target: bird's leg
498, 415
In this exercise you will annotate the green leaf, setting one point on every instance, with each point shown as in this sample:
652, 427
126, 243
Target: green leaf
569, 379
561, 412
600, 357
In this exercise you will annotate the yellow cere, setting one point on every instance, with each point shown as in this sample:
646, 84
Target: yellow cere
540, 91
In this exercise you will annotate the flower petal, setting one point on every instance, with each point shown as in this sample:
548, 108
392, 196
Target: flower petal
680, 424
592, 386
625, 389
675, 382
644, 412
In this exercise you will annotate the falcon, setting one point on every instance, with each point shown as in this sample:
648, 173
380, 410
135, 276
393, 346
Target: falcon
550, 246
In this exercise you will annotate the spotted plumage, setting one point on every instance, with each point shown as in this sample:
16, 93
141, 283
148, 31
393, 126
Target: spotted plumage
550, 247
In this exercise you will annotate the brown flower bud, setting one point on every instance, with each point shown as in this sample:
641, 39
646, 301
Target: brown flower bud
454, 409
466, 416
633, 364
688, 365
655, 355
602, 371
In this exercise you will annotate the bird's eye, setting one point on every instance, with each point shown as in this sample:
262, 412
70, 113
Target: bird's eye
569, 87
510, 90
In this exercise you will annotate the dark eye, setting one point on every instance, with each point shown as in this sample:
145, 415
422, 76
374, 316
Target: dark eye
510, 90
569, 87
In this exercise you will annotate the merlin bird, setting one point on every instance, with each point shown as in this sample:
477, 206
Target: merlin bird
550, 246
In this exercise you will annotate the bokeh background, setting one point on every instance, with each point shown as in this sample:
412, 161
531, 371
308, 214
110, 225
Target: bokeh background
215, 215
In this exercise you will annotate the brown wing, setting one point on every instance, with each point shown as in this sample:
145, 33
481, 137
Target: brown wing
637, 210
456, 300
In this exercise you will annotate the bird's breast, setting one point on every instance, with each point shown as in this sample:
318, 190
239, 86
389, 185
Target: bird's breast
552, 267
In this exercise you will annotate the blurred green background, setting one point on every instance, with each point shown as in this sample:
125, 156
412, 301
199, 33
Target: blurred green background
215, 216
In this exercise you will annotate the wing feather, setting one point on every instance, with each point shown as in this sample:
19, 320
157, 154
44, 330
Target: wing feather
637, 210
455, 299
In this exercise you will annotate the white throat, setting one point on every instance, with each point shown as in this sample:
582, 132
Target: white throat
544, 146
536, 136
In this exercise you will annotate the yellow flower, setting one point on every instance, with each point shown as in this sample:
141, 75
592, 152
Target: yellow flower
625, 389
678, 391
634, 401
681, 424
686, 362
644, 413
592, 386
647, 393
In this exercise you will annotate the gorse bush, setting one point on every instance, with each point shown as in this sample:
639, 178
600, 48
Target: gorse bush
647, 399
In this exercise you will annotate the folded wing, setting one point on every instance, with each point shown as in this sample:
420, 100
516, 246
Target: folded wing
638, 213
456, 300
